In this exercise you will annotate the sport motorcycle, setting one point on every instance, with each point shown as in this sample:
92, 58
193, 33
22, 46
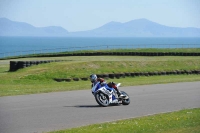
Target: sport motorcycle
105, 97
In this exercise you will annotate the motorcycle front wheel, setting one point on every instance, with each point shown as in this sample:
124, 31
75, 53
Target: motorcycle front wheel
102, 99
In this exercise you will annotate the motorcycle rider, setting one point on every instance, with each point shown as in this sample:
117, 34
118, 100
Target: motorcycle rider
112, 85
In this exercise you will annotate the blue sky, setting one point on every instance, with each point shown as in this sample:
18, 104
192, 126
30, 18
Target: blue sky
79, 15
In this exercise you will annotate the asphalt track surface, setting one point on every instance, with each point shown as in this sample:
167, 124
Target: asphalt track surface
53, 111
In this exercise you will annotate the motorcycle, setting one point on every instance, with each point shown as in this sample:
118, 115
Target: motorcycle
105, 97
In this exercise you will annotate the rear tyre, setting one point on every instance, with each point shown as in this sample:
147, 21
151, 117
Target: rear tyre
126, 100
102, 99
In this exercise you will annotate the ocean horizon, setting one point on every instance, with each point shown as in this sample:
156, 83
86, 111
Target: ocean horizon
15, 46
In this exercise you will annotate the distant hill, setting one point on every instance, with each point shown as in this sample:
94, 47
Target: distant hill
12, 28
140, 28
134, 28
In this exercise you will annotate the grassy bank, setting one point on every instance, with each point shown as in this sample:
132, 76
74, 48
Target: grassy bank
184, 121
82, 66
39, 78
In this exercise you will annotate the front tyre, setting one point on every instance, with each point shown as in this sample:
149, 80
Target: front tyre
126, 100
102, 99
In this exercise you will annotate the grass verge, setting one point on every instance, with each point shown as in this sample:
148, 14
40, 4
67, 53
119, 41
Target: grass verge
22, 87
184, 121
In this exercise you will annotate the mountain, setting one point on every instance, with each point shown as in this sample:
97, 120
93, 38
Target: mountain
12, 28
140, 28
134, 28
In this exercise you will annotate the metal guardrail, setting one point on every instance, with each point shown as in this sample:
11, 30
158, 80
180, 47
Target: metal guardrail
99, 47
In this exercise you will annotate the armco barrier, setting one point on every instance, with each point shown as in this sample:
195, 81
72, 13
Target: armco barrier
15, 65
132, 74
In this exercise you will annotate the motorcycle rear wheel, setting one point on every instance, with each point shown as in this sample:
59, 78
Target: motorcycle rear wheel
102, 99
127, 100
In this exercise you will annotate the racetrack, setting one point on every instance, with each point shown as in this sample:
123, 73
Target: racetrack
61, 110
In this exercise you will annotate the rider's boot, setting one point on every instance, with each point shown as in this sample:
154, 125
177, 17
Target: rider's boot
120, 95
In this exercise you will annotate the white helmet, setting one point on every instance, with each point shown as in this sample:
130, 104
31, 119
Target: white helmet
93, 78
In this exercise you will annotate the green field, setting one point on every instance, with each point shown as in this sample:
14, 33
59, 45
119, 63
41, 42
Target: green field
39, 78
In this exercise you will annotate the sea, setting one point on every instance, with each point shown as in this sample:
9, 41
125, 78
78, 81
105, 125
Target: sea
16, 46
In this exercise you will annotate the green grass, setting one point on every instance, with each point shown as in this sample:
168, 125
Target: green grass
12, 87
83, 66
39, 79
184, 121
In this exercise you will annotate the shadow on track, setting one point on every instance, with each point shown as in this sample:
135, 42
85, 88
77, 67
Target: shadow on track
84, 106
92, 106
